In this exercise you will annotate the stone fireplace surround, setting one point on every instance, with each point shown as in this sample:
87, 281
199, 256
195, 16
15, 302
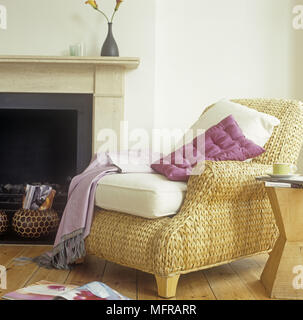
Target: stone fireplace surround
103, 77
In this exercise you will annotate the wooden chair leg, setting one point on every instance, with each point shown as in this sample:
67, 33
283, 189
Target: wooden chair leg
167, 286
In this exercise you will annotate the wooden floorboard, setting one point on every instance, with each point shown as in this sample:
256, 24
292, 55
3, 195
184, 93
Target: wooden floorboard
226, 284
52, 275
19, 274
91, 270
194, 286
147, 287
122, 279
249, 272
239, 280
261, 259
8, 253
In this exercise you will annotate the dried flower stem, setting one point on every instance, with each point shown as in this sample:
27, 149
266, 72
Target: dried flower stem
103, 15
113, 15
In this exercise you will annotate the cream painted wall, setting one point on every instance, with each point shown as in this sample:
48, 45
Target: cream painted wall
212, 49
48, 28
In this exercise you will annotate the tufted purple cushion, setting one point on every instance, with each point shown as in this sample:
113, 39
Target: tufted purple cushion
224, 141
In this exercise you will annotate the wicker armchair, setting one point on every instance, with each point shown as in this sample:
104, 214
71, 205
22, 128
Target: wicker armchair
226, 214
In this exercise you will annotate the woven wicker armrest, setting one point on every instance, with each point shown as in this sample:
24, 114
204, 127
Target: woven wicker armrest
224, 203
228, 180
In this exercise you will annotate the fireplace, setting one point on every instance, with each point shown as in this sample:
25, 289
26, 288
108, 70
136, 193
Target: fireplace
44, 138
86, 92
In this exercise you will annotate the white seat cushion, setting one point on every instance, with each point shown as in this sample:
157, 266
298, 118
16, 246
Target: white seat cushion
141, 194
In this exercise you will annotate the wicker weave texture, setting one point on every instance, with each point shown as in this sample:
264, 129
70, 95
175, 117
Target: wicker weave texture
286, 141
226, 214
125, 239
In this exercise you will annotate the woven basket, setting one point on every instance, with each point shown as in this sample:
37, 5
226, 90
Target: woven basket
35, 224
4, 223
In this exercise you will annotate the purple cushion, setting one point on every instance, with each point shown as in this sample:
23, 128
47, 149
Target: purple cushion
224, 141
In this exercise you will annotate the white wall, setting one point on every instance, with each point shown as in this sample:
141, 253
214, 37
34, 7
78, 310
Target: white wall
212, 49
48, 27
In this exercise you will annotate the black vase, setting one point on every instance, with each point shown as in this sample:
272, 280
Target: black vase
110, 48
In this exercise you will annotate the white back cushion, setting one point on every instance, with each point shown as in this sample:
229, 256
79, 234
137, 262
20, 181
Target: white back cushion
256, 126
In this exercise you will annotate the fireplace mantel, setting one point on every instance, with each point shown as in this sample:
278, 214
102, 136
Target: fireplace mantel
128, 63
103, 77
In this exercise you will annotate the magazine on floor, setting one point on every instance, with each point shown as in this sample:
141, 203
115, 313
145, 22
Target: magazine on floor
46, 290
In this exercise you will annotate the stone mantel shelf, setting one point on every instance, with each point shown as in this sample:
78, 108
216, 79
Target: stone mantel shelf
126, 62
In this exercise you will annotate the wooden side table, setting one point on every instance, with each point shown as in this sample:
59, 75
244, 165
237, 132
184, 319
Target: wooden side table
282, 276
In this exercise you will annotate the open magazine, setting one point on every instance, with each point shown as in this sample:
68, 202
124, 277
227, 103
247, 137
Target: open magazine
46, 290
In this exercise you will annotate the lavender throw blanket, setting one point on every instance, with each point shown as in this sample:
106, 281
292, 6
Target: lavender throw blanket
77, 217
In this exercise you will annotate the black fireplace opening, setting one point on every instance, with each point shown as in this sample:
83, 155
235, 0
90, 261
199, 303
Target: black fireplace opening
44, 139
38, 145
